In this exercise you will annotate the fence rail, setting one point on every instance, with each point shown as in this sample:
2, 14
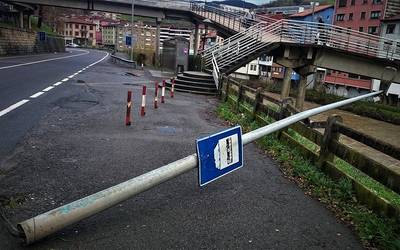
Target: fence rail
328, 142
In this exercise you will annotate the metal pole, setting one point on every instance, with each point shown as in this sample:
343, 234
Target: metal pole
50, 222
132, 15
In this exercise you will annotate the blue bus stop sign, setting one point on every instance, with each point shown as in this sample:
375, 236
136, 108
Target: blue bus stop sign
219, 154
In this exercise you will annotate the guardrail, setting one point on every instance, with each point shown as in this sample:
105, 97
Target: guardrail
47, 223
117, 59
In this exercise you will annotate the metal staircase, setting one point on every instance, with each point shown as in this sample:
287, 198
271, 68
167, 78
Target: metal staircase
260, 35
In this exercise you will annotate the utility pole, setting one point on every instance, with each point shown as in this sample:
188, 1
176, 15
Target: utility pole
132, 15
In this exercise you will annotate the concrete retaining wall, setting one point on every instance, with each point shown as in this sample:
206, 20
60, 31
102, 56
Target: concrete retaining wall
15, 41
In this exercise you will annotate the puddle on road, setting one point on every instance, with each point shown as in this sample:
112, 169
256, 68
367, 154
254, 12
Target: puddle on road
168, 130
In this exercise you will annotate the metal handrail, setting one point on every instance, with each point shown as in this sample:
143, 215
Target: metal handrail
215, 72
291, 31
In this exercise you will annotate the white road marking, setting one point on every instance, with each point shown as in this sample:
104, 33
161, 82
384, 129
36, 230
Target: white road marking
46, 60
48, 88
20, 103
37, 94
12, 107
80, 71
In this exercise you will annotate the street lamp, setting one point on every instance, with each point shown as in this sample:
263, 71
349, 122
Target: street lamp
132, 15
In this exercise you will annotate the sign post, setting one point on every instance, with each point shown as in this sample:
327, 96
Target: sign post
219, 154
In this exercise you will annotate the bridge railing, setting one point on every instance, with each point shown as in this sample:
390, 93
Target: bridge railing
340, 38
291, 31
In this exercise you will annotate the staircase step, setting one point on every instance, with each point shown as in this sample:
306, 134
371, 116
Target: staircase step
189, 78
197, 74
195, 92
193, 88
194, 83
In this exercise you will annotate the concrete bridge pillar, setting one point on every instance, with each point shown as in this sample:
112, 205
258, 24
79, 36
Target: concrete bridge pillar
196, 38
301, 92
21, 19
287, 79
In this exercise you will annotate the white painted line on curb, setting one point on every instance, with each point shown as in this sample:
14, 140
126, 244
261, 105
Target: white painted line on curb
80, 71
37, 94
65, 79
46, 60
48, 88
57, 83
12, 107
70, 76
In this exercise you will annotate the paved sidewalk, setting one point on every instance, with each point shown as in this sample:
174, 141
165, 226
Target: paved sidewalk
83, 146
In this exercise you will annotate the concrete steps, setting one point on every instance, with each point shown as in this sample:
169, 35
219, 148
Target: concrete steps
195, 82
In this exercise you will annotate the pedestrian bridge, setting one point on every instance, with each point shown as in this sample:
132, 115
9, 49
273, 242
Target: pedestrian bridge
296, 44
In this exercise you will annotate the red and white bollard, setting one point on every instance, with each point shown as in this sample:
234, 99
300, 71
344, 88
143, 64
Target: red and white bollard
156, 96
163, 92
142, 108
128, 109
172, 87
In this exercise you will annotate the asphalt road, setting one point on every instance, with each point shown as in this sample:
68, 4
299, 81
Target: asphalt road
21, 77
80, 145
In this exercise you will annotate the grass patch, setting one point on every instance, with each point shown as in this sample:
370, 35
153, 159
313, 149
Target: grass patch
374, 230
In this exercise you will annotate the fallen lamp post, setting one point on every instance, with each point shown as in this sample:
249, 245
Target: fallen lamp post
42, 225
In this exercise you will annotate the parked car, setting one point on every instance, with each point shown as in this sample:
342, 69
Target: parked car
72, 45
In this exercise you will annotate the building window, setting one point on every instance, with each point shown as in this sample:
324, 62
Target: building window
365, 2
353, 2
342, 3
76, 33
362, 15
91, 35
390, 28
361, 29
339, 17
376, 1
76, 26
372, 29
375, 14
350, 16
91, 28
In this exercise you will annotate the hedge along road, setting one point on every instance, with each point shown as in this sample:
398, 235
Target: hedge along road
83, 147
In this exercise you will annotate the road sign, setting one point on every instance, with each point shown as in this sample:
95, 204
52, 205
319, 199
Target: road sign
128, 41
219, 154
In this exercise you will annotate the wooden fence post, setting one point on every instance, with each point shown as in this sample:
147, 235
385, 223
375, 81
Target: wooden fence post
257, 102
329, 134
239, 98
283, 113
227, 88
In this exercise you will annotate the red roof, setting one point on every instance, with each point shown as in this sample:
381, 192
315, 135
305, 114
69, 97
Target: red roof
310, 11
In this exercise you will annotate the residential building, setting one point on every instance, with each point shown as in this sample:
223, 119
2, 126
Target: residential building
109, 34
80, 31
323, 12
361, 15
390, 28
365, 16
168, 32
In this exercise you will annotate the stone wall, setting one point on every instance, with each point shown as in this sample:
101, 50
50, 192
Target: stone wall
15, 41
